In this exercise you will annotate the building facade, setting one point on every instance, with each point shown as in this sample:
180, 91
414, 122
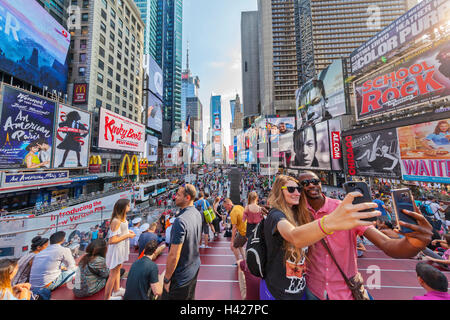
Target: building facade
250, 63
330, 29
106, 54
278, 56
58, 8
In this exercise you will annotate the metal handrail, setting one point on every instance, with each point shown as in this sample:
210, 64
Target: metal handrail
56, 226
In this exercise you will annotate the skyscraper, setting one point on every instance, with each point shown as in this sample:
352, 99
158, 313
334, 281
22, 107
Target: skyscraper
163, 41
278, 57
250, 63
331, 29
216, 126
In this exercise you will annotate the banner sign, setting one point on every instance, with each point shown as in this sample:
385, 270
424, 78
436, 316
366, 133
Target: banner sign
120, 133
419, 78
72, 138
154, 113
334, 127
80, 93
26, 136
414, 24
11, 180
152, 148
425, 151
373, 154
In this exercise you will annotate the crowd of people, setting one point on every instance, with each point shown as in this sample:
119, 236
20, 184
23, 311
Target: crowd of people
312, 241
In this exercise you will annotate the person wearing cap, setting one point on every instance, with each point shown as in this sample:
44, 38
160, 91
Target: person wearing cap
147, 233
136, 229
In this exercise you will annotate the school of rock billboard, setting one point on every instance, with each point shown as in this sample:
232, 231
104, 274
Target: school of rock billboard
73, 128
27, 125
120, 133
419, 152
419, 78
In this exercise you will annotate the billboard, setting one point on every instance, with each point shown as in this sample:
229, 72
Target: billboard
334, 127
154, 113
419, 78
155, 76
374, 154
120, 133
73, 128
411, 26
26, 135
33, 45
311, 148
152, 148
323, 98
425, 151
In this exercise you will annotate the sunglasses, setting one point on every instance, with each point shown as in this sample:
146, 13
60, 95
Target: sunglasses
306, 183
292, 189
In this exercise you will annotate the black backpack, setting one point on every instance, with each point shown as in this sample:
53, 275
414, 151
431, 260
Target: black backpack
256, 251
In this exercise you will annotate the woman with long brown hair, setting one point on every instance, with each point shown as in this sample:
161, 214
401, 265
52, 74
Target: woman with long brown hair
118, 248
289, 230
252, 212
92, 271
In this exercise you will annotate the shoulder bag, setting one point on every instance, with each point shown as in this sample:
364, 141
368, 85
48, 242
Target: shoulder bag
355, 283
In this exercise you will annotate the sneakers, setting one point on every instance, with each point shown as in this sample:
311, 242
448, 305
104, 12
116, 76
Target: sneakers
202, 246
115, 298
118, 293
208, 247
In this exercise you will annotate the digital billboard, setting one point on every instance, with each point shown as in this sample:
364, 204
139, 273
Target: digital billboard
120, 133
154, 113
73, 127
33, 45
323, 98
152, 148
404, 31
155, 76
373, 154
425, 151
418, 78
27, 125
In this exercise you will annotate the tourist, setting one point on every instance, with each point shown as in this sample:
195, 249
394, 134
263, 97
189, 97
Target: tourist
239, 229
433, 281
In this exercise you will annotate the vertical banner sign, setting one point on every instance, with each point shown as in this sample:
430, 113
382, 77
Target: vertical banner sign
26, 135
80, 93
334, 126
72, 138
425, 151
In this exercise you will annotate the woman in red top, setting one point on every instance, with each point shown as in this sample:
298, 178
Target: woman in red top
252, 212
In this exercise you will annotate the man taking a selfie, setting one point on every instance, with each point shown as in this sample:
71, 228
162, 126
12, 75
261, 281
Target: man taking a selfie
324, 280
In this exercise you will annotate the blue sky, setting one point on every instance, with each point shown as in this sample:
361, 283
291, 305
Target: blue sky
213, 29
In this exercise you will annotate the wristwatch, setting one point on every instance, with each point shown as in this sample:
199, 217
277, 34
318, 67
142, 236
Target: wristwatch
166, 281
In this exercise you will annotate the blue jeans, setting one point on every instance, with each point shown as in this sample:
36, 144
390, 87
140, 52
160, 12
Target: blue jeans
63, 278
41, 293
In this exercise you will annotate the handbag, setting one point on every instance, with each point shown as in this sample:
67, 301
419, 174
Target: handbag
355, 283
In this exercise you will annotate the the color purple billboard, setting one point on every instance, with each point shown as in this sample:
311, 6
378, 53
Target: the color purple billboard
33, 45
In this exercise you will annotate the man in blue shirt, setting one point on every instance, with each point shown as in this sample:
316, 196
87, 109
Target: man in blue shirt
382, 207
183, 261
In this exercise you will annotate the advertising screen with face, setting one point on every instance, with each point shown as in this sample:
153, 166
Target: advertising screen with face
323, 98
312, 148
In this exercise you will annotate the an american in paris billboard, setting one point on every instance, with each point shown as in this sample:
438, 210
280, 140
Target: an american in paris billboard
120, 133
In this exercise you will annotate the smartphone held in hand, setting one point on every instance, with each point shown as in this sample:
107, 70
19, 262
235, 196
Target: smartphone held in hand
362, 188
402, 199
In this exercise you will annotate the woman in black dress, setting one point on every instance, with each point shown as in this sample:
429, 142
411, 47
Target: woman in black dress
74, 138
